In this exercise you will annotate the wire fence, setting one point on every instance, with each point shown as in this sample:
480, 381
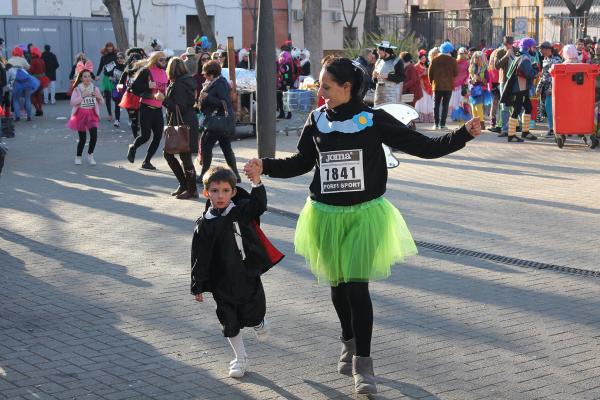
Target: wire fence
482, 27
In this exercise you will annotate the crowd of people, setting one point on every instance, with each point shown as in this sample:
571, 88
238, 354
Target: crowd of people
508, 88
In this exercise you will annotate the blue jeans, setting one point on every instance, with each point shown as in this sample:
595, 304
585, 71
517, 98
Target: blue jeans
19, 93
504, 113
548, 108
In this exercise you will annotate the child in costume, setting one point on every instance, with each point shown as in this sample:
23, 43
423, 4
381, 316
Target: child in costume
462, 113
85, 116
478, 78
229, 253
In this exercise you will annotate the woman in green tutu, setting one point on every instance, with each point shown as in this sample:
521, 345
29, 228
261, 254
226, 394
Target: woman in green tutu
347, 231
108, 62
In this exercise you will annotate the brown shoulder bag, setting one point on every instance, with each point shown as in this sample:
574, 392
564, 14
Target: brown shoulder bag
177, 136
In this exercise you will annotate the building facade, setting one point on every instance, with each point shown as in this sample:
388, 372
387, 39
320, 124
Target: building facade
175, 23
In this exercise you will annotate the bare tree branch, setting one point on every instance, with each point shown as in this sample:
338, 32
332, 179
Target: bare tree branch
355, 9
135, 19
578, 11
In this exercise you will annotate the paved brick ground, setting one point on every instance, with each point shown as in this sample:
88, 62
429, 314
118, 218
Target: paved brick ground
94, 300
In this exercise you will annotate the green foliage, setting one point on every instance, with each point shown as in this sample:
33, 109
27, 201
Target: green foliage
407, 43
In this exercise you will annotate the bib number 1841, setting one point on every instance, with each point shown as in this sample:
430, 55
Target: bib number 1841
342, 171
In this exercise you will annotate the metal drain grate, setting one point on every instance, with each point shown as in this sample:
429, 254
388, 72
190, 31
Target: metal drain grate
440, 248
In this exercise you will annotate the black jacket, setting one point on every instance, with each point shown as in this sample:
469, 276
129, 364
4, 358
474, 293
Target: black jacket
383, 128
51, 64
369, 69
3, 80
182, 93
217, 264
218, 91
107, 63
140, 85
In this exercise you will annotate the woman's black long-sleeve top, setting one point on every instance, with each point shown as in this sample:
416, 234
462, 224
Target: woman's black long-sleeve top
182, 93
106, 60
384, 129
141, 84
217, 92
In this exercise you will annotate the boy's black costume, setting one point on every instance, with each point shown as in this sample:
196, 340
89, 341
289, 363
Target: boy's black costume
229, 253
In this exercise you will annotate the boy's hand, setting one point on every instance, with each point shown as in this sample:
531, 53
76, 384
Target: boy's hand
254, 178
199, 298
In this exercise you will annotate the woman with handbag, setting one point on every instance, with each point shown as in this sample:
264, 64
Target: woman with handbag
150, 84
181, 117
219, 119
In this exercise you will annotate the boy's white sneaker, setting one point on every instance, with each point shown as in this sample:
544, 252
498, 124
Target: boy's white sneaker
77, 160
237, 367
91, 160
262, 331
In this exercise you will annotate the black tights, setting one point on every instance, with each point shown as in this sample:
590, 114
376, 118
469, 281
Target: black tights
134, 116
353, 306
208, 141
107, 100
280, 101
152, 123
521, 102
82, 138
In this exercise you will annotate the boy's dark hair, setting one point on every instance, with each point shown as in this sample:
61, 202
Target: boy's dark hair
219, 174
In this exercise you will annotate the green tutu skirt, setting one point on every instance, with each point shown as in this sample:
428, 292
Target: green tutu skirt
356, 243
106, 84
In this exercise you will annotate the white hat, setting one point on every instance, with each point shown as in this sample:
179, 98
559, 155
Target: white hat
190, 51
386, 45
243, 53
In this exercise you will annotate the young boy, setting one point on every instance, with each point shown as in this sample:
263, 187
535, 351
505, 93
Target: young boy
229, 254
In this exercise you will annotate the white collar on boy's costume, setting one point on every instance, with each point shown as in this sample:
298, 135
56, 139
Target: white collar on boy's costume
210, 215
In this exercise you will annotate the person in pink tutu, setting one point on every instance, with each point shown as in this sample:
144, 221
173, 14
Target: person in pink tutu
85, 98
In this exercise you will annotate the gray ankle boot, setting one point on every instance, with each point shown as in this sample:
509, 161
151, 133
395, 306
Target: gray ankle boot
364, 377
348, 351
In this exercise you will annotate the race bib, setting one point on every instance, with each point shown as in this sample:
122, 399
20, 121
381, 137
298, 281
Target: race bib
342, 171
88, 102
110, 66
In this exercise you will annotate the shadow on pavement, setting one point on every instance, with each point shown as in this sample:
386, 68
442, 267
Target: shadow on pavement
73, 260
74, 349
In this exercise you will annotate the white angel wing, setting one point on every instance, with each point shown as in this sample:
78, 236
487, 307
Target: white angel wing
403, 113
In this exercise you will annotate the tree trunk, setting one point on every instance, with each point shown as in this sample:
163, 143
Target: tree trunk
135, 12
581, 10
205, 23
371, 26
265, 81
118, 23
313, 35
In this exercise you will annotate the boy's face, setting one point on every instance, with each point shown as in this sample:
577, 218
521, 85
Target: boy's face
220, 194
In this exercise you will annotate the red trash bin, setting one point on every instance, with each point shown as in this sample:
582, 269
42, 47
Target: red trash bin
573, 99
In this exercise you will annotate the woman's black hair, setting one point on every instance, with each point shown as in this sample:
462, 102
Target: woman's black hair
345, 70
406, 56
